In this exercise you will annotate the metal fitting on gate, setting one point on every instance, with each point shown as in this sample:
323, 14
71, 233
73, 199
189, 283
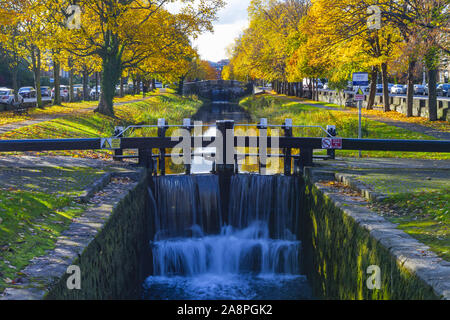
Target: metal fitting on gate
287, 127
162, 128
331, 130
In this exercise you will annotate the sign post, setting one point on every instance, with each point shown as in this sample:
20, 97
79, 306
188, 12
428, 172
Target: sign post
360, 79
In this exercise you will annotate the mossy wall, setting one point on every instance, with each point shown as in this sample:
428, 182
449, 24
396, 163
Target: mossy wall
115, 263
337, 252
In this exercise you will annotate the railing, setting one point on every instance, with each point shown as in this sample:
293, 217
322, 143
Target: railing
225, 130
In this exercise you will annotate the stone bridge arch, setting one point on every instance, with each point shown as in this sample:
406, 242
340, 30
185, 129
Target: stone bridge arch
218, 90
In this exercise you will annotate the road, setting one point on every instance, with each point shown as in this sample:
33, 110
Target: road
399, 95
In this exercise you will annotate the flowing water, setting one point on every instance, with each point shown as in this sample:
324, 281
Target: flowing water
250, 252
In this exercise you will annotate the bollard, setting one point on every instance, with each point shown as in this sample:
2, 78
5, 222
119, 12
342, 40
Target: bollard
224, 148
162, 128
306, 158
145, 158
118, 133
287, 127
188, 126
224, 164
262, 146
332, 133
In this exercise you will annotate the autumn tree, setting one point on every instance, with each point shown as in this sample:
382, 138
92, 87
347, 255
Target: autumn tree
424, 26
122, 34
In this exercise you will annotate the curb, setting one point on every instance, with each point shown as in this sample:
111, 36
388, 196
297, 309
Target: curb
98, 185
364, 190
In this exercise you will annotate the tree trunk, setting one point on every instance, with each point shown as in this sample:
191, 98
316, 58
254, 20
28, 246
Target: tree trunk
36, 61
110, 76
384, 76
373, 88
432, 95
15, 84
57, 82
70, 64
180, 86
410, 90
96, 85
85, 85
153, 84
309, 89
121, 87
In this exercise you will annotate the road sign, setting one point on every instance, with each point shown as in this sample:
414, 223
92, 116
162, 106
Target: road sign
359, 95
361, 79
331, 143
110, 143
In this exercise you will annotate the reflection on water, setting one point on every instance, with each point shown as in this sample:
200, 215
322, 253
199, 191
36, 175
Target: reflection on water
208, 114
221, 110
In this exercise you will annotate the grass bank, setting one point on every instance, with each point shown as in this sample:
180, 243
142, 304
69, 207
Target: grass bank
93, 125
37, 204
278, 108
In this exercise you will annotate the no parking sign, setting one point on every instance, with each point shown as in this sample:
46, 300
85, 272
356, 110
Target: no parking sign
331, 143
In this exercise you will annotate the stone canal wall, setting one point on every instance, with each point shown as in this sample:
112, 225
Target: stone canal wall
343, 239
114, 263
108, 242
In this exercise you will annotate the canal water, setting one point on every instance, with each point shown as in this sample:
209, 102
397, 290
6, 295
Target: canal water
208, 114
250, 252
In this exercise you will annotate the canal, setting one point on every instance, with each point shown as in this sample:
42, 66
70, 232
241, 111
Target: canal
251, 251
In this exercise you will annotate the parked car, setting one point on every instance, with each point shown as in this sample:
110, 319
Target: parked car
443, 90
397, 89
78, 91
27, 92
63, 92
46, 94
95, 94
7, 97
419, 89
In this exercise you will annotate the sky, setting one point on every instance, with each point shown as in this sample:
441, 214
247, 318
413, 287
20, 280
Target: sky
232, 21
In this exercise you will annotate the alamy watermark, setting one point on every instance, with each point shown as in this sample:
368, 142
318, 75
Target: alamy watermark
252, 146
74, 280
374, 19
73, 20
374, 280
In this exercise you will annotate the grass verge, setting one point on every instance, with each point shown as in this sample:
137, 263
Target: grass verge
278, 108
36, 205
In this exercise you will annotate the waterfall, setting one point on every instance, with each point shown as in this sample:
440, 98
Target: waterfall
186, 205
256, 238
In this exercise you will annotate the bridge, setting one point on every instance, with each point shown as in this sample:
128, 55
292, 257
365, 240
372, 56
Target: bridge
218, 90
